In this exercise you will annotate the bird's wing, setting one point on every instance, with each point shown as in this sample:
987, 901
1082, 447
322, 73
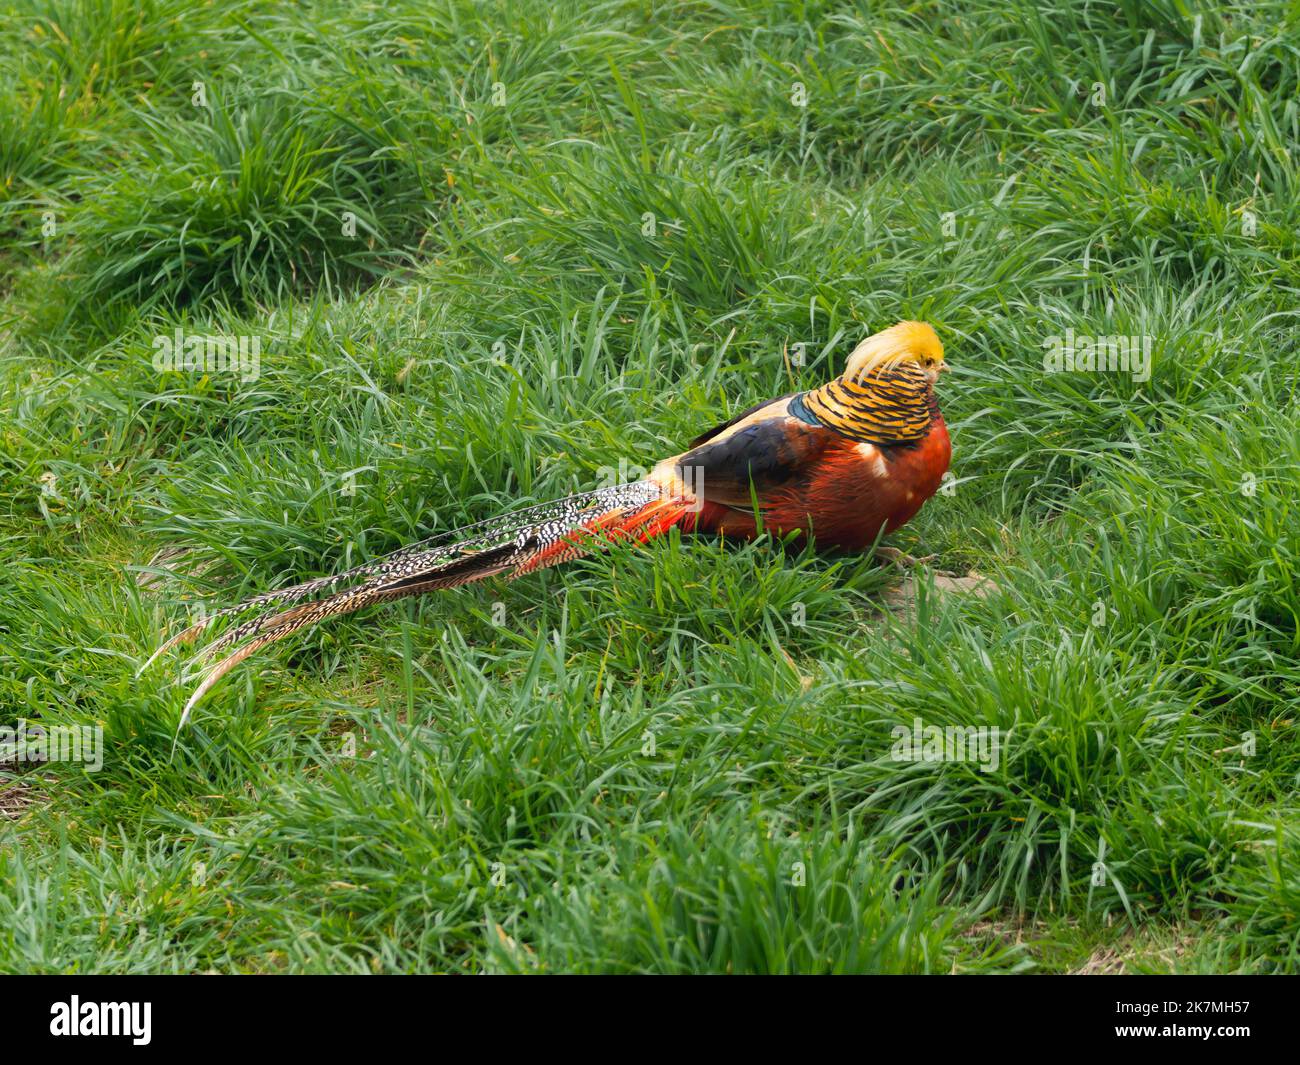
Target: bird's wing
778, 403
762, 451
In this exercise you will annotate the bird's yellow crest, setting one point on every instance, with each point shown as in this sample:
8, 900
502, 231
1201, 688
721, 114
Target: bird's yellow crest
907, 342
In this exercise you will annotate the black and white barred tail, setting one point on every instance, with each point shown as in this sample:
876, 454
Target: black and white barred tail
510, 545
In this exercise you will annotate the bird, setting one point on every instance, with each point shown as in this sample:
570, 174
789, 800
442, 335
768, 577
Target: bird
840, 465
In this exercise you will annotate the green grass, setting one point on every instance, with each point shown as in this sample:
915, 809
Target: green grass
579, 235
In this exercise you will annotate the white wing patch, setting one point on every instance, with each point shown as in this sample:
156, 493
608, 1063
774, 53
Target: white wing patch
872, 454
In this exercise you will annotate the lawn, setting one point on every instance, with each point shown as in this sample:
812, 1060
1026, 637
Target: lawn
482, 255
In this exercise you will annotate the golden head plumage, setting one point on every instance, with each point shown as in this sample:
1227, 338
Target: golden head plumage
914, 343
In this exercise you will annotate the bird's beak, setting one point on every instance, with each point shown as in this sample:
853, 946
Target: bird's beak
944, 367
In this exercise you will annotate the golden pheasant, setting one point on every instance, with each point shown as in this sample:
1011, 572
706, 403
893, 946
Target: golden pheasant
846, 462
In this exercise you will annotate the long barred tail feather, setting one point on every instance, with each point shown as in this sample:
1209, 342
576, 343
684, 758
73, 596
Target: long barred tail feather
511, 544
307, 589
290, 621
428, 550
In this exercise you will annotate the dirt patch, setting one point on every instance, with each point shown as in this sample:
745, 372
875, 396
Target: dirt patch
901, 598
17, 796
1105, 961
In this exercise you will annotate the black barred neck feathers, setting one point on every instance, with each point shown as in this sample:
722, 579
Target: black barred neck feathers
888, 406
